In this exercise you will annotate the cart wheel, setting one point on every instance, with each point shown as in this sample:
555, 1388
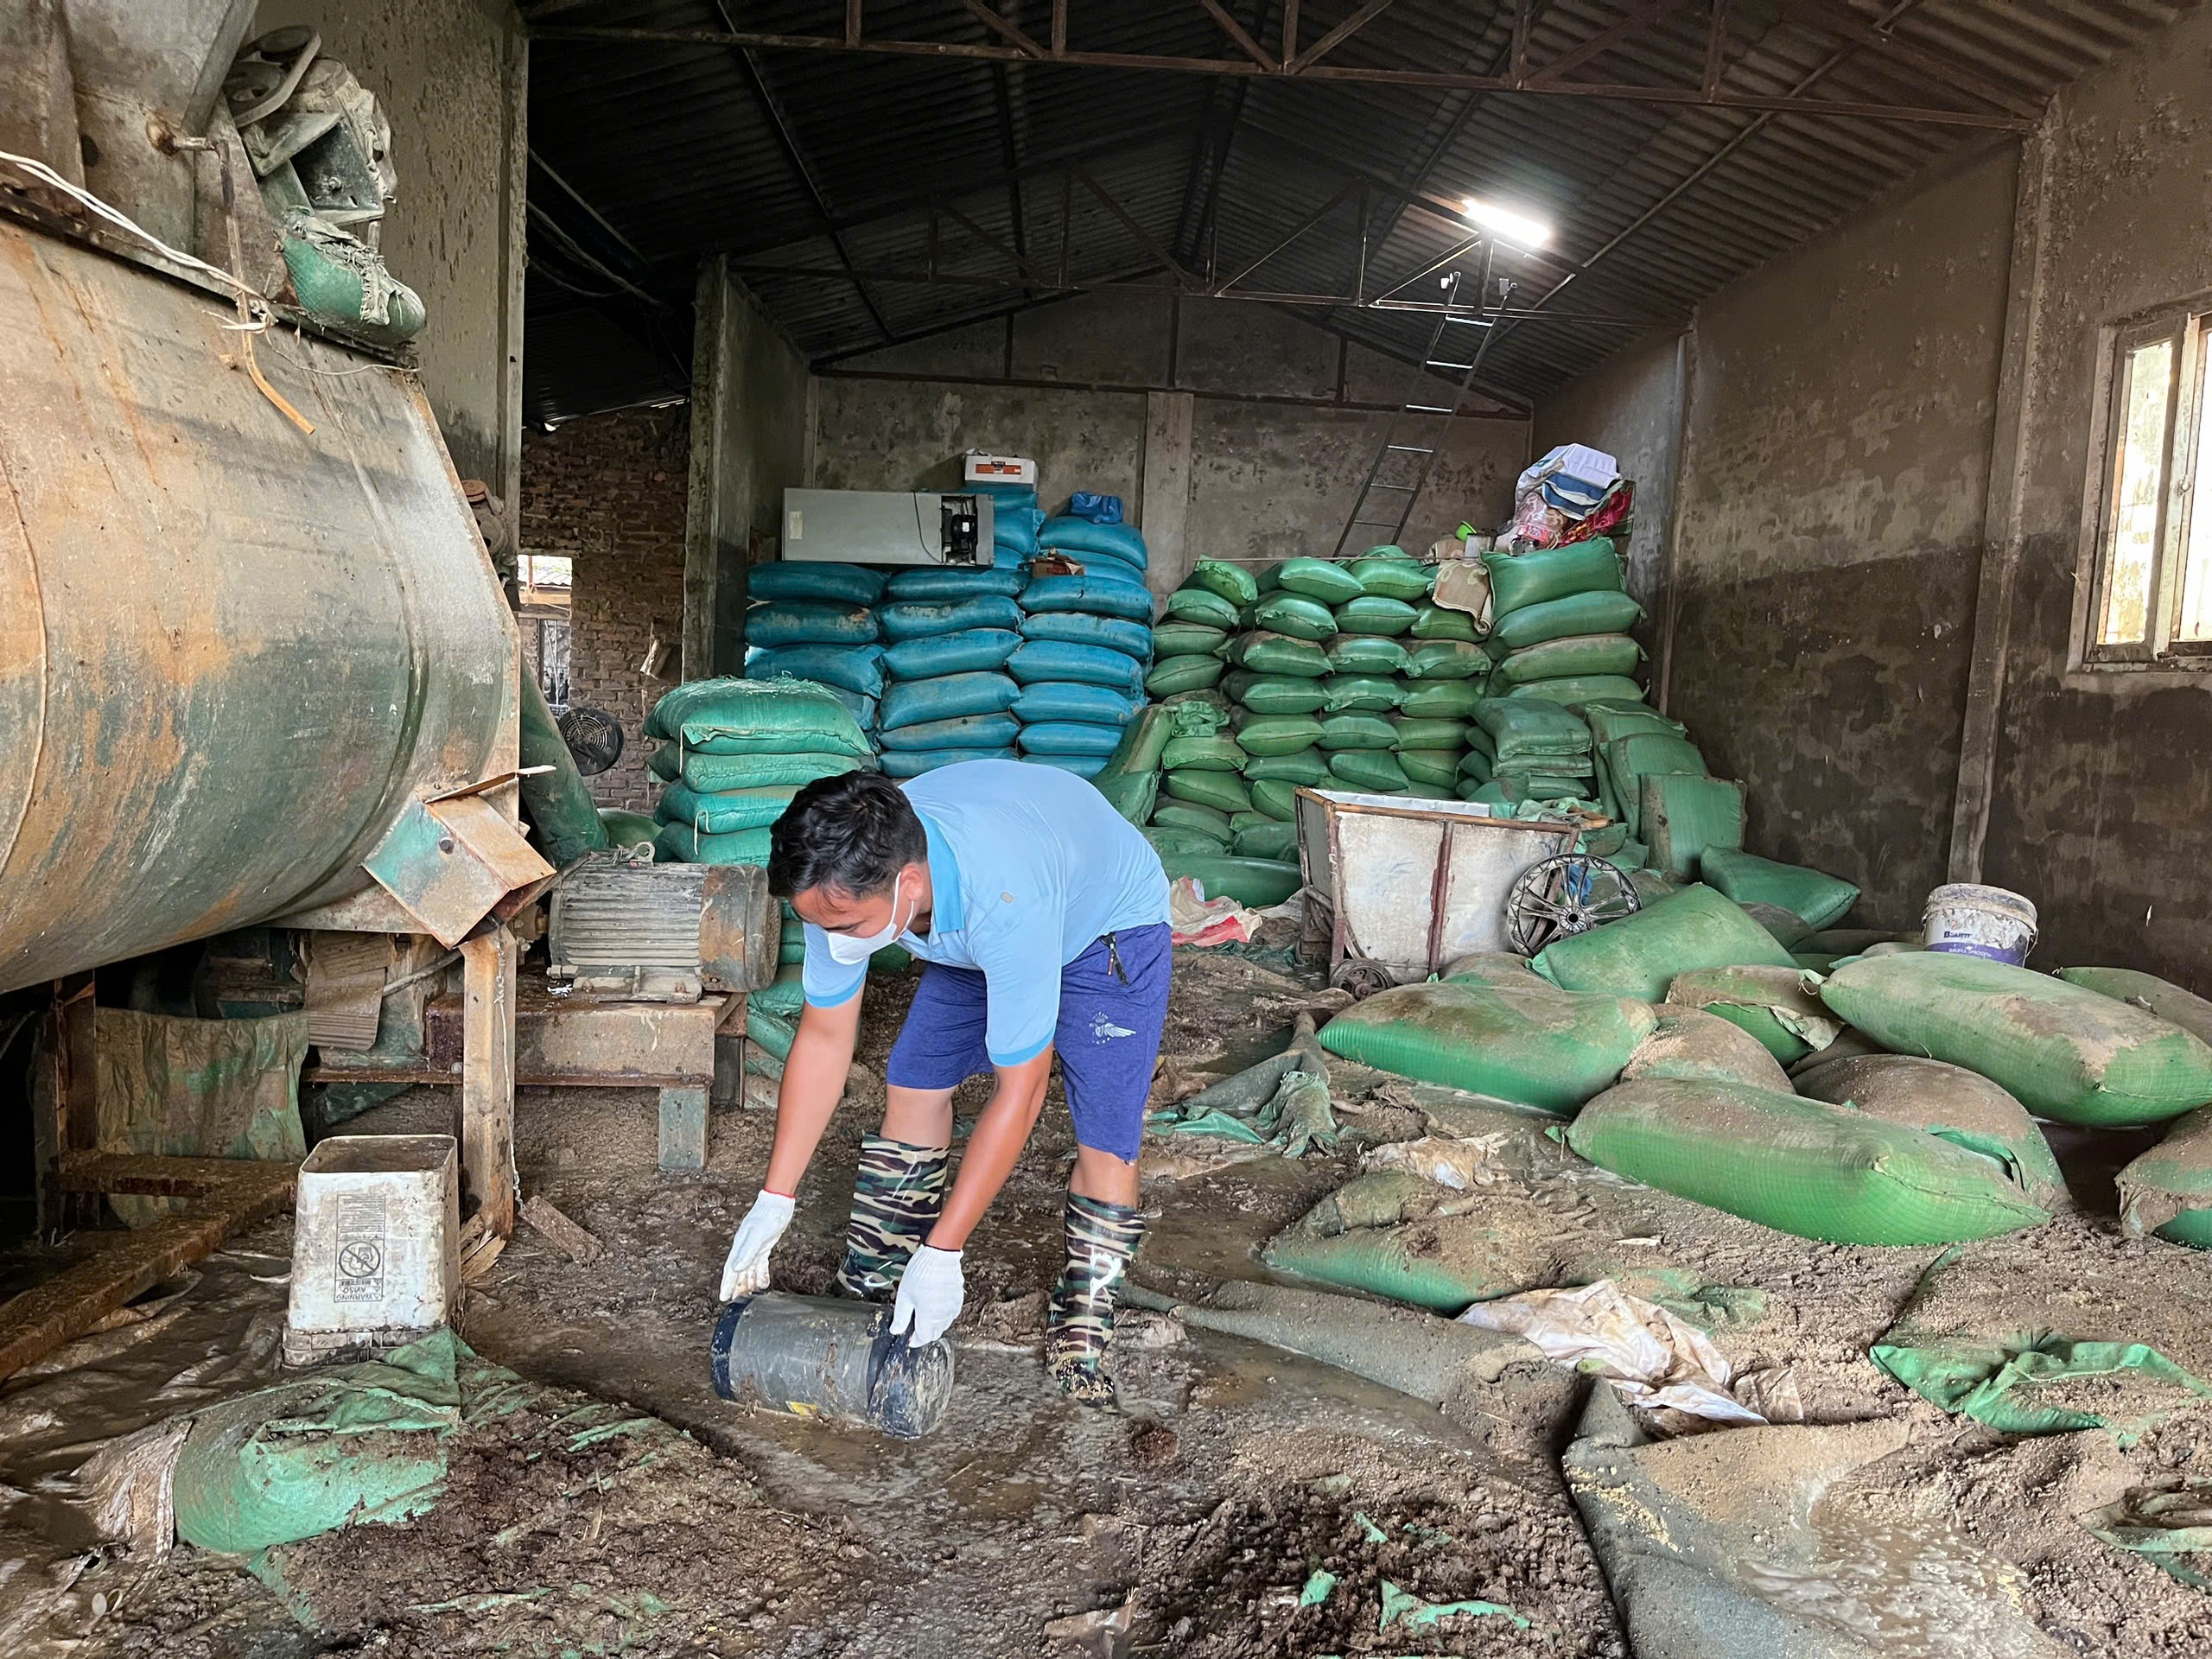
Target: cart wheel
1362, 978
1564, 896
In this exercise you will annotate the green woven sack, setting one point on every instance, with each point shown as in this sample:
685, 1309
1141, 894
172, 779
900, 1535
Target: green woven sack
1201, 606
1192, 816
1258, 883
1356, 732
1306, 767
1689, 823
1440, 700
1375, 770
1216, 753
1442, 622
1132, 794
2064, 1051
1525, 1042
2168, 1191
1276, 653
1373, 614
1519, 730
1437, 768
732, 716
1517, 580
737, 809
1608, 720
1641, 954
1360, 694
1446, 659
1800, 1166
1559, 619
1295, 615
678, 843
629, 831
1477, 766
1320, 579
1232, 581
1278, 798
1363, 654
2169, 1001
1274, 694
717, 774
1576, 690
1143, 741
1820, 900
1188, 639
1517, 786
1770, 1003
1174, 674
1416, 733
1393, 578
1951, 1103
1196, 714
1265, 735
1172, 842
1629, 760
1579, 655
1267, 839
1224, 791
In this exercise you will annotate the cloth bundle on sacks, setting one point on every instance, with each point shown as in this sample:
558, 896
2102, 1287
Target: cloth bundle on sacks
1087, 645
734, 753
951, 634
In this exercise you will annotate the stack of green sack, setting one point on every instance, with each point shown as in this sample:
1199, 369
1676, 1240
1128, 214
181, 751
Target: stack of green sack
816, 622
734, 753
949, 636
1559, 624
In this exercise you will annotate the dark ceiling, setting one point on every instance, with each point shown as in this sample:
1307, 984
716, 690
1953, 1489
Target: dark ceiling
663, 130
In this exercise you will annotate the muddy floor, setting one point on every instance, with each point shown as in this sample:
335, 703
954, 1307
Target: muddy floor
1247, 1503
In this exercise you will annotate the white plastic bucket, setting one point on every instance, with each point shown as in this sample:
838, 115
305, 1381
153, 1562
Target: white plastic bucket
1968, 920
374, 1261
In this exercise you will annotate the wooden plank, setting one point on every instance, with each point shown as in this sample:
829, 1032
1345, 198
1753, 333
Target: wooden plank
488, 1077
40, 1320
564, 1235
683, 1128
159, 1177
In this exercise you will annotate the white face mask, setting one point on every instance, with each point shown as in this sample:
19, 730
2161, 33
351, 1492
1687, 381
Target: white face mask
849, 949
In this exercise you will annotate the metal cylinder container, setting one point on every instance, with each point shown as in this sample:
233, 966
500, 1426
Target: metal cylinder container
230, 652
824, 1356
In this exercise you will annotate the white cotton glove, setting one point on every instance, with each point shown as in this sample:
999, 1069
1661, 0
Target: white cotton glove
931, 1293
745, 1272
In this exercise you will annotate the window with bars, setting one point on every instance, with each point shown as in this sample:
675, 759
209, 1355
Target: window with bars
2151, 598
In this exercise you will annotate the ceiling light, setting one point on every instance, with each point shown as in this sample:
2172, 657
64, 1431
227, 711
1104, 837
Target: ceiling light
1513, 227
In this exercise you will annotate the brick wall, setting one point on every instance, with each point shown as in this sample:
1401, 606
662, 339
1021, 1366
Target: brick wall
607, 490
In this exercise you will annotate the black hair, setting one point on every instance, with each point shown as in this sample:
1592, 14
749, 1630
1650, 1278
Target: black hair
852, 834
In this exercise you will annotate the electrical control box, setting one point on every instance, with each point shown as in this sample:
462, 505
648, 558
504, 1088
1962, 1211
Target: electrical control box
888, 526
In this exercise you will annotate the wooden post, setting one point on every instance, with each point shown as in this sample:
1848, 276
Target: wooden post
65, 1096
487, 1080
682, 1127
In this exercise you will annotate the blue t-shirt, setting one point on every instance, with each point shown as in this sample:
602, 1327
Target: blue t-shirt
1028, 866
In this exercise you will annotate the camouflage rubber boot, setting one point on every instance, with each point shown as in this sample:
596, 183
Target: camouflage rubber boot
1079, 1322
897, 1196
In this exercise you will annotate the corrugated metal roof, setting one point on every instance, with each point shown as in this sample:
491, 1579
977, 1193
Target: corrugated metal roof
677, 147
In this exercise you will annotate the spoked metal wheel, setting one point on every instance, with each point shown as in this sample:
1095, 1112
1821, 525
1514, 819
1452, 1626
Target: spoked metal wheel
1565, 896
1360, 977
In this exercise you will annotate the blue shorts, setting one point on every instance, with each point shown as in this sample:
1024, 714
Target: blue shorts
1108, 1035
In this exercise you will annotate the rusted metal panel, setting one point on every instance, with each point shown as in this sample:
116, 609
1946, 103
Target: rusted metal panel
741, 930
449, 862
230, 652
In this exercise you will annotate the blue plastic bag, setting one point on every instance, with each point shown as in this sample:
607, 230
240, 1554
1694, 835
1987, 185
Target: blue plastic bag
1069, 737
1091, 592
921, 620
1099, 509
848, 668
1080, 536
846, 584
951, 654
912, 763
805, 622
1074, 628
912, 703
968, 732
932, 581
1065, 700
1050, 659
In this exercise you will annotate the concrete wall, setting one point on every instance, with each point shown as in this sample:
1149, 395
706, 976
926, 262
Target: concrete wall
1277, 445
451, 76
1835, 467
1631, 409
2102, 791
608, 491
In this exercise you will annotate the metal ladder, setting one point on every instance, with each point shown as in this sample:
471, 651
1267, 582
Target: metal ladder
1412, 414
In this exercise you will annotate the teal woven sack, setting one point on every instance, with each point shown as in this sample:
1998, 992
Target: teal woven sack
912, 763
718, 774
801, 622
683, 845
1075, 628
965, 732
916, 702
1091, 594
857, 668
1070, 739
1373, 614
939, 584
1318, 579
725, 813
1097, 705
1050, 659
969, 652
924, 619
839, 584
1293, 615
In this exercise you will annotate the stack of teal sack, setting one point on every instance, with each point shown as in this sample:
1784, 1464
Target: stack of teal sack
949, 635
816, 622
1086, 642
733, 754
